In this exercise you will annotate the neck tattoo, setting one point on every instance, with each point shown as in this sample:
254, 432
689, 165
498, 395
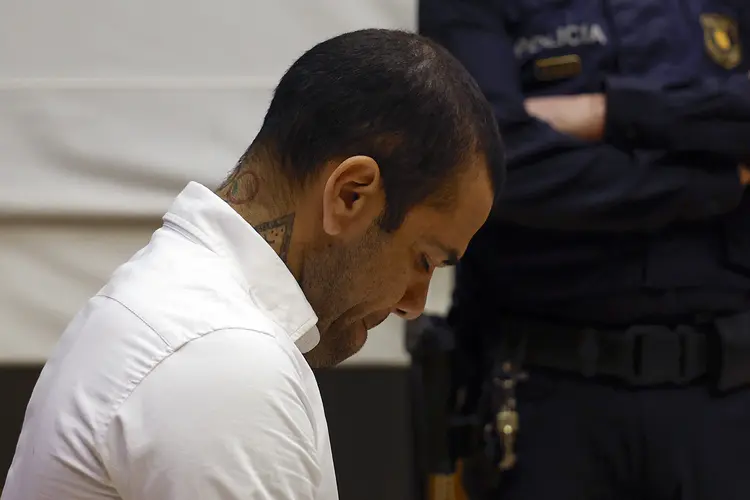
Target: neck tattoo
241, 190
243, 187
278, 234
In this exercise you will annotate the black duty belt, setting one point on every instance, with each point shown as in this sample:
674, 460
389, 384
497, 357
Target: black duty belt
639, 355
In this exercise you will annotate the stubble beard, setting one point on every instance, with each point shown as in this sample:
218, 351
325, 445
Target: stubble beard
331, 284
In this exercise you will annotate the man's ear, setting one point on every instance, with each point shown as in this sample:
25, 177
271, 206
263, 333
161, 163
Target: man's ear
353, 197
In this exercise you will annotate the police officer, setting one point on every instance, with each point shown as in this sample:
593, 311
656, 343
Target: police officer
616, 271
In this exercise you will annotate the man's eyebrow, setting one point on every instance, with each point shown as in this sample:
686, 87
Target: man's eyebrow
452, 255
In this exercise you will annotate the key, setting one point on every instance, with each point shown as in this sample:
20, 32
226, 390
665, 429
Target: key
507, 420
507, 428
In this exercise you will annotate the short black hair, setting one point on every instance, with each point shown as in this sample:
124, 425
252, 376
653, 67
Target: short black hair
395, 96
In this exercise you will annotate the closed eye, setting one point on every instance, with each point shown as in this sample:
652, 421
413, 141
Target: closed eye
425, 263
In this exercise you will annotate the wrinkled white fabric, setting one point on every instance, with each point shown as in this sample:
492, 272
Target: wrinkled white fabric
183, 378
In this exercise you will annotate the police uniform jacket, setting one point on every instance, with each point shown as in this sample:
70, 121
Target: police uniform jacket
651, 224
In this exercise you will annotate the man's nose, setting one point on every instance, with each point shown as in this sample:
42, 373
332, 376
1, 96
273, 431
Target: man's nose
411, 305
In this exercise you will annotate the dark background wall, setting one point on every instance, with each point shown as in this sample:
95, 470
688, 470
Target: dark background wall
368, 416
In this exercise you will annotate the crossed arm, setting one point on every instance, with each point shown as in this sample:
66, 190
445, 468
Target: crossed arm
706, 116
561, 175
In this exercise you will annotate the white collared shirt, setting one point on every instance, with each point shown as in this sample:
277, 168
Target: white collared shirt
183, 378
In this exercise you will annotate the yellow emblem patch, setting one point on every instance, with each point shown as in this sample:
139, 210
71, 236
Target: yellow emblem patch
721, 37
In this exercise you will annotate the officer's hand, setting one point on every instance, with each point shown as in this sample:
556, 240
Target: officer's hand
744, 173
581, 116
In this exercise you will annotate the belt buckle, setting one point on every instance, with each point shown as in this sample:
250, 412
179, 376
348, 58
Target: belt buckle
655, 354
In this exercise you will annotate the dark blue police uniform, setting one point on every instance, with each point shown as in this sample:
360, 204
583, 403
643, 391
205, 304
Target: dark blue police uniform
604, 254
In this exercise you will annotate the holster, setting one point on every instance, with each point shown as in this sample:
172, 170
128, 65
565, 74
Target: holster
431, 344
452, 406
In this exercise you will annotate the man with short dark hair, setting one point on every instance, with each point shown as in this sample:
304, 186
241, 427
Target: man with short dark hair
188, 375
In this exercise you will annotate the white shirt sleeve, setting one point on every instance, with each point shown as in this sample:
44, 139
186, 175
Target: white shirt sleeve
223, 418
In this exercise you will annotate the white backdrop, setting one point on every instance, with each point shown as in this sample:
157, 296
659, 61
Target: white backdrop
108, 108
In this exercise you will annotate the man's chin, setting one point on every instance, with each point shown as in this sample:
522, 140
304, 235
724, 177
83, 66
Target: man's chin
328, 356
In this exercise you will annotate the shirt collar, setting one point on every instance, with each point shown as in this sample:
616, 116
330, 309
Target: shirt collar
262, 273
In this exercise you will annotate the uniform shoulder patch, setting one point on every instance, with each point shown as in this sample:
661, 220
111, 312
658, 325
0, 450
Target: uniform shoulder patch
721, 37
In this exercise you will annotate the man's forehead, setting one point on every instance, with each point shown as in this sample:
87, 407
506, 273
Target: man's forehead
450, 229
453, 229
